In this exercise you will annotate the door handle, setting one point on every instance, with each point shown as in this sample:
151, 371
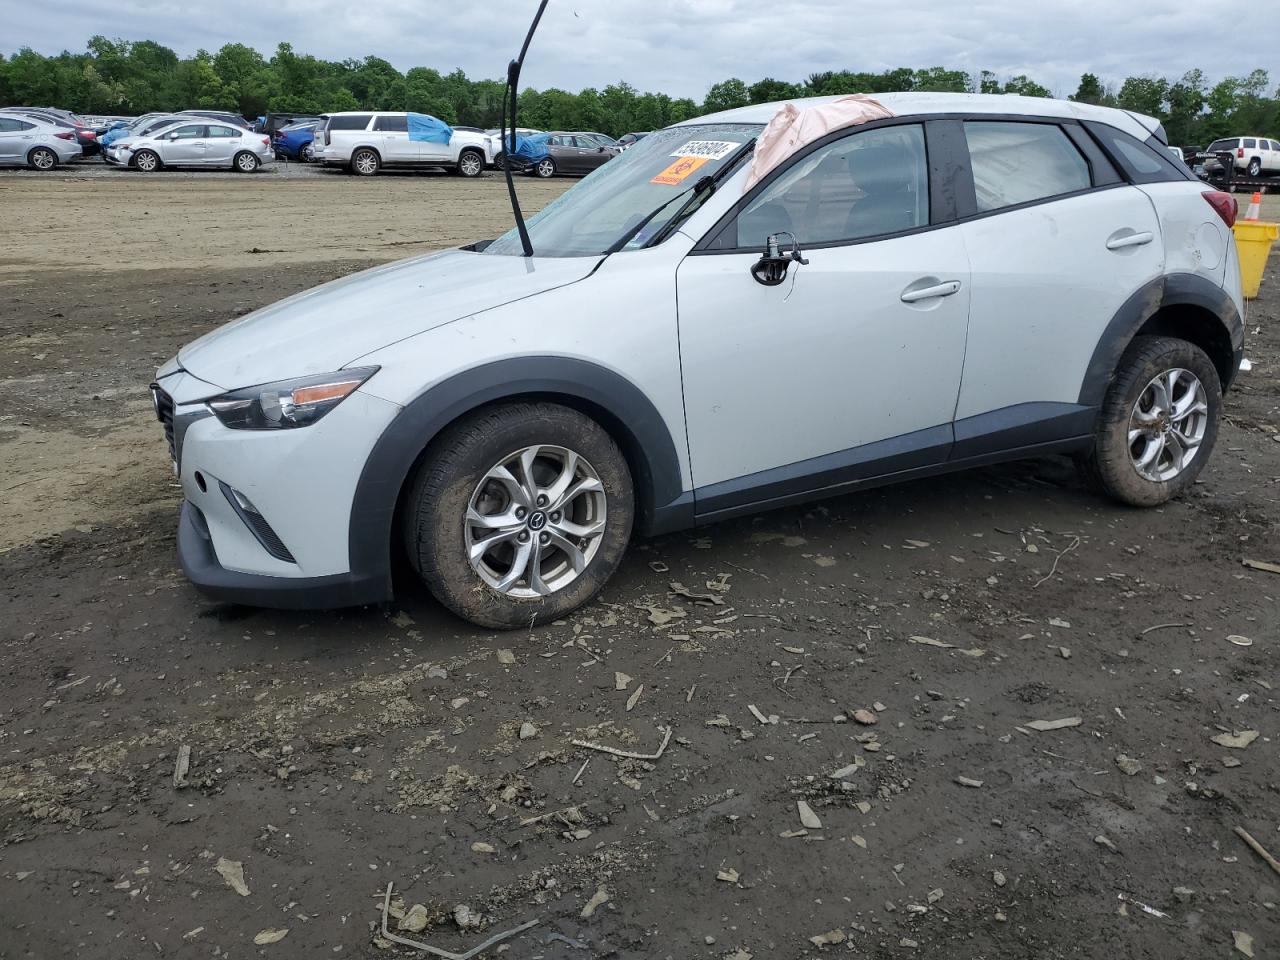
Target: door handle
1118, 242
945, 289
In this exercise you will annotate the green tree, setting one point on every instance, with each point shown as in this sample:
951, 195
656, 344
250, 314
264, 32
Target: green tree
1090, 90
726, 95
1143, 95
770, 90
1025, 87
941, 80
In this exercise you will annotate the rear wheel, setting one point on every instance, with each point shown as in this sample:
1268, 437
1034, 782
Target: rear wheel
519, 514
146, 161
500, 161
546, 168
307, 153
471, 163
365, 162
1158, 423
1255, 167
246, 162
42, 158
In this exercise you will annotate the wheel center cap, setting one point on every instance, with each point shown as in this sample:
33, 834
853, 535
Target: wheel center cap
537, 520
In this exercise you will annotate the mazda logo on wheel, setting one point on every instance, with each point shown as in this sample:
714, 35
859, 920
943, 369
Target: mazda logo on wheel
537, 520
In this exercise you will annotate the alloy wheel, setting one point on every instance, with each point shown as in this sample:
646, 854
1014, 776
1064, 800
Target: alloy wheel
247, 162
471, 165
366, 163
43, 160
1167, 425
546, 169
145, 162
535, 521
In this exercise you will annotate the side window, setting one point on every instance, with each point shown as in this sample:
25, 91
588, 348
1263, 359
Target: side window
1250, 143
392, 124
8, 126
1020, 162
1142, 163
560, 141
356, 122
868, 184
223, 132
189, 133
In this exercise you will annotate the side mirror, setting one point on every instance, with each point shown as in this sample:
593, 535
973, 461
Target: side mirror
771, 269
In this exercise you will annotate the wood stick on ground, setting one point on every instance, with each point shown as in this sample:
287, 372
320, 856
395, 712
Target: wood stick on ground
1061, 553
1164, 626
445, 954
1262, 565
1258, 848
628, 754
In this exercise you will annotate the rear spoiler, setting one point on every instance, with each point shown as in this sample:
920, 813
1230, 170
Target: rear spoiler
1151, 125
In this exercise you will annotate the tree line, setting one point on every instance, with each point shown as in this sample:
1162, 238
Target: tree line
133, 77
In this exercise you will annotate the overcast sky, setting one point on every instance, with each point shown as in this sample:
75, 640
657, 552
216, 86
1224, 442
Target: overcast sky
681, 47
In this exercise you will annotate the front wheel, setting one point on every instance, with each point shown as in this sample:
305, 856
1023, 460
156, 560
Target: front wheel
1158, 422
471, 163
246, 163
42, 158
1255, 167
546, 168
146, 161
519, 514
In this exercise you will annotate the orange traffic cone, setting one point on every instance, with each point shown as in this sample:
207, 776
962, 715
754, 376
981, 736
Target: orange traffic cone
1255, 207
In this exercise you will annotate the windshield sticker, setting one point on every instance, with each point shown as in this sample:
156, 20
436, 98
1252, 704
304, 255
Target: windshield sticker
680, 171
707, 149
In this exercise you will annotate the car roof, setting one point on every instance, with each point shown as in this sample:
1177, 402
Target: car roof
908, 104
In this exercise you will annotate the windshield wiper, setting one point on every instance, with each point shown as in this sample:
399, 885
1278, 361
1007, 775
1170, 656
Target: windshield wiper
510, 95
706, 185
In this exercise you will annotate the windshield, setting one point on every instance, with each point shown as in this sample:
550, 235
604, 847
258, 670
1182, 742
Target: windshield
588, 219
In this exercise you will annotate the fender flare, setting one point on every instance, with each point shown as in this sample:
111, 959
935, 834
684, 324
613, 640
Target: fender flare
1175, 289
662, 502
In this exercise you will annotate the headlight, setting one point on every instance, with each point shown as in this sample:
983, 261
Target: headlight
288, 403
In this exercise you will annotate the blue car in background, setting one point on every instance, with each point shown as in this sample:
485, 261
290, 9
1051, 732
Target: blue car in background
294, 141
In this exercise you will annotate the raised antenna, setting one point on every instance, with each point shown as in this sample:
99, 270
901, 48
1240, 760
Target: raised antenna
510, 98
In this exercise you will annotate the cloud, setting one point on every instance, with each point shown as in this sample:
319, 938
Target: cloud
681, 47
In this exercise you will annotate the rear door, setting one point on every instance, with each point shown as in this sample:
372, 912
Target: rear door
223, 143
12, 133
393, 134
1058, 241
591, 153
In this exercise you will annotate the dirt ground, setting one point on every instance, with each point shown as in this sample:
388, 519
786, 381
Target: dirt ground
333, 754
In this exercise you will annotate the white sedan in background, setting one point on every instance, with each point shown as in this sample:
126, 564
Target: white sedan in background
188, 144
29, 142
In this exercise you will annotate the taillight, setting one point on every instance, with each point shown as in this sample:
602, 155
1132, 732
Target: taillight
65, 135
266, 141
88, 135
1240, 152
1224, 204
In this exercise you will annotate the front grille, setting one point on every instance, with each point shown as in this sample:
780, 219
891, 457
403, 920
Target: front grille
164, 413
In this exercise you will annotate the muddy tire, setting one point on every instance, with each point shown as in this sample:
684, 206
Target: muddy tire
519, 514
1158, 423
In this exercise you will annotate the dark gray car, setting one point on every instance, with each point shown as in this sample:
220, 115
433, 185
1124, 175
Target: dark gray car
576, 154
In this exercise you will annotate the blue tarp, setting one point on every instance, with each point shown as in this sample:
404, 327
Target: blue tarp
532, 147
427, 129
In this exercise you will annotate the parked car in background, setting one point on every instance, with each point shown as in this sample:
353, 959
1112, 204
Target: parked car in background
38, 144
1255, 156
85, 135
222, 116
575, 154
630, 139
295, 142
498, 148
273, 123
136, 124
366, 141
187, 144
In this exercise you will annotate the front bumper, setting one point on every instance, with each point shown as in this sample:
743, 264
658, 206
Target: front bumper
200, 564
268, 514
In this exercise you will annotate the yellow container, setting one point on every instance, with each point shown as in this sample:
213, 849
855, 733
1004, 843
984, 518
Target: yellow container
1253, 241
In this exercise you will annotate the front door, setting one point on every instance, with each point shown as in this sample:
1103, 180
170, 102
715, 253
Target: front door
186, 146
590, 154
850, 367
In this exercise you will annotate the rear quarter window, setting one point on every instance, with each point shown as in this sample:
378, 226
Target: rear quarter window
392, 124
1219, 145
1141, 162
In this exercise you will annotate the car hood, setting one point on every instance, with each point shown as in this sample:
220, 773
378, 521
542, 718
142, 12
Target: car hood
327, 327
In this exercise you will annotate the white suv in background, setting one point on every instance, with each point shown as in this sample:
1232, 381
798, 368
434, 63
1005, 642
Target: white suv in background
365, 141
970, 280
1256, 156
